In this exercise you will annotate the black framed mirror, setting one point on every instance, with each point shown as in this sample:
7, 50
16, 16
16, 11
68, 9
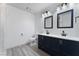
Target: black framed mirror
48, 22
65, 19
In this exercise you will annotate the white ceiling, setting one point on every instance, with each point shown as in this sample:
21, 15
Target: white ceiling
35, 7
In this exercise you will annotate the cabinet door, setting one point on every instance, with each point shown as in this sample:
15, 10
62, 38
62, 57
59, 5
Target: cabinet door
46, 41
54, 46
40, 40
51, 45
70, 48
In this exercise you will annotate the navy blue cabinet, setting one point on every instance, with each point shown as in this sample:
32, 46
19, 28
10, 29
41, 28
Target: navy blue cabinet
70, 48
49, 44
57, 46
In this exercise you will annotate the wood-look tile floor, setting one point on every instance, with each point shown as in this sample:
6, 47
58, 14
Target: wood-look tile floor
26, 50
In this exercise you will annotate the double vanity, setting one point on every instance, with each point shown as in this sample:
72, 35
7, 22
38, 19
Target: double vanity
58, 45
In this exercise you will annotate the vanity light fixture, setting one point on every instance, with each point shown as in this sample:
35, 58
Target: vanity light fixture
62, 6
65, 6
46, 14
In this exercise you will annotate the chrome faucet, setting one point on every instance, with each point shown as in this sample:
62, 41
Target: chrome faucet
63, 33
47, 32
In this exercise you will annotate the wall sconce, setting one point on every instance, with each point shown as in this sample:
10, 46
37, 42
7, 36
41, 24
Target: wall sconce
65, 6
62, 6
46, 14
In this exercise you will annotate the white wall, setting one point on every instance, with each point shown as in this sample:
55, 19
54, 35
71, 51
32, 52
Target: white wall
0, 28
71, 32
17, 22
2, 21
2, 18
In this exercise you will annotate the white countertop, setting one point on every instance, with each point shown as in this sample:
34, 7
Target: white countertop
62, 37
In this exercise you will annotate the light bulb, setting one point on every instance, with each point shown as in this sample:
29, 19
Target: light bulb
45, 14
58, 9
49, 14
64, 6
42, 15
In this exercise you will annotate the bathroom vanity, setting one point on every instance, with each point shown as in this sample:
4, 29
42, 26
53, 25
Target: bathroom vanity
58, 45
